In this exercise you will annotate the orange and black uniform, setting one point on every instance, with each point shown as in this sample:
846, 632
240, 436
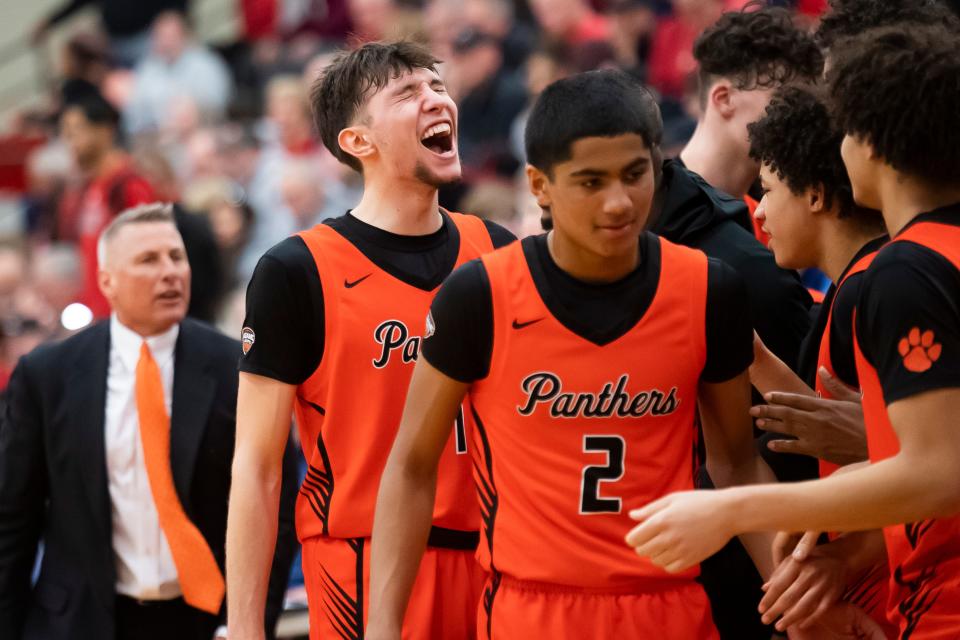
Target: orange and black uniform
697, 215
584, 398
339, 310
830, 345
907, 338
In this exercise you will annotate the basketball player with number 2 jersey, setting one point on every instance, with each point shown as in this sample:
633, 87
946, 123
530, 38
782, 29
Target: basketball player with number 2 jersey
584, 355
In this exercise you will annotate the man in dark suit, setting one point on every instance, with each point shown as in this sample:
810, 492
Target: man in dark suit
115, 450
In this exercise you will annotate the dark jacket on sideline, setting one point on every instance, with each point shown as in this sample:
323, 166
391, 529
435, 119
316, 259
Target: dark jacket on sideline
53, 479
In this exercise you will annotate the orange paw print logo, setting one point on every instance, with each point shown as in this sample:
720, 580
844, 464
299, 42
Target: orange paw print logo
919, 351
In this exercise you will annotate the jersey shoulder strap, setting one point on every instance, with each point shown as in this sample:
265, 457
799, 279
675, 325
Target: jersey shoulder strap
941, 238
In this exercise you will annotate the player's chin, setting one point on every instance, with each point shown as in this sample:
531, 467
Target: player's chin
439, 175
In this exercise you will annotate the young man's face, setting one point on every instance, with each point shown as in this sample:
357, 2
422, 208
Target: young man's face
86, 140
413, 125
600, 198
861, 167
787, 218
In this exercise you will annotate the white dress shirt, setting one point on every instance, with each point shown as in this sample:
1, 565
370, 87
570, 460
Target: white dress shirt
144, 564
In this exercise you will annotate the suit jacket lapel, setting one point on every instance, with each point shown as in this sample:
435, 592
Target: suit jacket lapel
193, 392
87, 397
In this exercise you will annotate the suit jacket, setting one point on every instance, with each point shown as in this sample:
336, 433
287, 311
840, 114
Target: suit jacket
53, 479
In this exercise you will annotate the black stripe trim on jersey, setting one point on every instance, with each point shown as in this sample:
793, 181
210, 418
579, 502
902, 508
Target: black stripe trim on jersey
343, 611
866, 590
915, 530
486, 487
317, 486
455, 539
489, 594
920, 601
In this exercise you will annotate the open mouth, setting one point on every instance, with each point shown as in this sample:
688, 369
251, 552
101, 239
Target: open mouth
438, 138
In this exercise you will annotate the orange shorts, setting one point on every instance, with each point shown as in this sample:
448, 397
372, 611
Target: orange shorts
518, 609
443, 604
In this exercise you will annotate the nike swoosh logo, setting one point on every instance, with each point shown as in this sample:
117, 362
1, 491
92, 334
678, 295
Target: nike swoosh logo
351, 285
521, 325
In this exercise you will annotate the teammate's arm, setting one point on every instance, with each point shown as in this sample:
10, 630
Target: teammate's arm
264, 407
921, 481
732, 458
407, 492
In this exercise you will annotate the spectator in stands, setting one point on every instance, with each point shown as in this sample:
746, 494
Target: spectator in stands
489, 97
497, 18
290, 136
56, 275
177, 65
671, 52
633, 25
127, 23
107, 184
306, 195
572, 21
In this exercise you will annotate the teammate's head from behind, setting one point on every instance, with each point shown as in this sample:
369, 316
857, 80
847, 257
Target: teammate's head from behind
383, 110
807, 194
592, 143
849, 18
742, 59
894, 94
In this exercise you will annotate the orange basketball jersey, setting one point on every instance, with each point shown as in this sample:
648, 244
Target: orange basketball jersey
823, 359
349, 409
924, 557
869, 590
571, 435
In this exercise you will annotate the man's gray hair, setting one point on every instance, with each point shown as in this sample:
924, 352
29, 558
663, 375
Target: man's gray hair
152, 212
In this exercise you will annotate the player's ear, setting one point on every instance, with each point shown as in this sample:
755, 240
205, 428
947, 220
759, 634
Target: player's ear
356, 141
720, 96
815, 199
539, 182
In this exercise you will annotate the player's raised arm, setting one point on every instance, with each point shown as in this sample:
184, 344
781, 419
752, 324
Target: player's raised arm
407, 491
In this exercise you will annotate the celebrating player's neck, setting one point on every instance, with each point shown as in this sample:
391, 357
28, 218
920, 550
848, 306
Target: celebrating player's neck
408, 209
903, 198
588, 266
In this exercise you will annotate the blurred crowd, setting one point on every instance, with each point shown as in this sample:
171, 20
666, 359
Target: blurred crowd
143, 110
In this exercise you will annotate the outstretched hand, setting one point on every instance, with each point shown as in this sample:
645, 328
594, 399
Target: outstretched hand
680, 530
829, 429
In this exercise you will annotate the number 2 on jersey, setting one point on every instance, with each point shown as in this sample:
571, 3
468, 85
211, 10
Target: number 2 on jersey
615, 449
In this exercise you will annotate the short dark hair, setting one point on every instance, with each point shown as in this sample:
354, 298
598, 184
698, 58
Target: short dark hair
898, 90
848, 18
757, 47
95, 108
340, 92
593, 104
799, 141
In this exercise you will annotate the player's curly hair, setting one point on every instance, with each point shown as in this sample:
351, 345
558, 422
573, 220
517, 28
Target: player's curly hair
799, 141
848, 18
757, 47
340, 92
898, 89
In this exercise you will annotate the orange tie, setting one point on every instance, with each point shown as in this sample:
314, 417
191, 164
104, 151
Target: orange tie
200, 577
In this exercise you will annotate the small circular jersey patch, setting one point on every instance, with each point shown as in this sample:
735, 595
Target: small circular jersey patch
247, 338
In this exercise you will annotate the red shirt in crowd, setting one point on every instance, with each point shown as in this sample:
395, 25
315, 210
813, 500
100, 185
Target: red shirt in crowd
87, 209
